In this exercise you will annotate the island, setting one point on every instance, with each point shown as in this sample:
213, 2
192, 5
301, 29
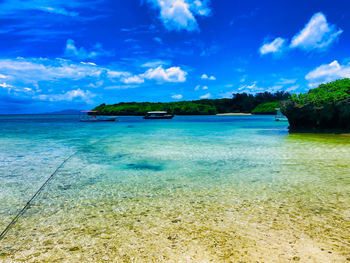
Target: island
260, 103
323, 109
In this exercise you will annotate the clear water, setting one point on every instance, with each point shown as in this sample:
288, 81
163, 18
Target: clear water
191, 189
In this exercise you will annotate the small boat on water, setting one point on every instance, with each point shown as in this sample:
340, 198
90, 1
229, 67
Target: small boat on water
158, 115
95, 116
279, 116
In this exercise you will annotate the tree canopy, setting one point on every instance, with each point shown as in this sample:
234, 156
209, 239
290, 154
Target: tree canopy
240, 102
325, 93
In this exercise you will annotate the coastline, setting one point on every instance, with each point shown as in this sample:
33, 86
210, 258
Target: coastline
234, 114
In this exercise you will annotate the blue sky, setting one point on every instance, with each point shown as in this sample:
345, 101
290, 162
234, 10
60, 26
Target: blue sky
80, 53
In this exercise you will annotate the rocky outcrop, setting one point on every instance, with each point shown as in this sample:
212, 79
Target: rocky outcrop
334, 117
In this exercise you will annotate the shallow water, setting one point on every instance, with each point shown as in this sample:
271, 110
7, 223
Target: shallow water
191, 189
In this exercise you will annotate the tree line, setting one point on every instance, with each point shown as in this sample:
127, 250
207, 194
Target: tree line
239, 103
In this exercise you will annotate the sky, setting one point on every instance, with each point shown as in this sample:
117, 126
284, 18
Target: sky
77, 54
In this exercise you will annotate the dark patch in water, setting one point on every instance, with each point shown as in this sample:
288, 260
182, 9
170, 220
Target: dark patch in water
145, 166
64, 187
130, 126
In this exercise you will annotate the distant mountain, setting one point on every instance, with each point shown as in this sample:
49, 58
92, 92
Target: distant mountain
64, 112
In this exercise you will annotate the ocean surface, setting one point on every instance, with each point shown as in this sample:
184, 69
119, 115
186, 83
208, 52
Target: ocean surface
191, 189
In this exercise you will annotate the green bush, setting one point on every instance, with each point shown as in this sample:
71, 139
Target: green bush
325, 93
267, 108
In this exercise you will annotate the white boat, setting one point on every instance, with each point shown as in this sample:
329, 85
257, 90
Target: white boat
95, 116
279, 116
158, 115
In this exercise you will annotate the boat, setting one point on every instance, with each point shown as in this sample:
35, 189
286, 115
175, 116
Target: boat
95, 116
158, 115
279, 116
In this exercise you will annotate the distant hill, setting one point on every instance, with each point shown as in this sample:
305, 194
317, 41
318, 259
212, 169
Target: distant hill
65, 112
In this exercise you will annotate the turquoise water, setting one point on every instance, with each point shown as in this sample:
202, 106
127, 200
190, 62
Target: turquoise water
191, 189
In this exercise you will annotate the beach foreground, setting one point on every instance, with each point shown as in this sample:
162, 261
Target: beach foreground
194, 189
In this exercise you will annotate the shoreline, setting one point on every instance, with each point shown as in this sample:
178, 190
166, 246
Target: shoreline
234, 114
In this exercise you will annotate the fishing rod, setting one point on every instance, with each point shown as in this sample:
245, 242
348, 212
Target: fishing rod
25, 208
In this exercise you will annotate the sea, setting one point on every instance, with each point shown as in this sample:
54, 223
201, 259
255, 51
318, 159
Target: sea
190, 189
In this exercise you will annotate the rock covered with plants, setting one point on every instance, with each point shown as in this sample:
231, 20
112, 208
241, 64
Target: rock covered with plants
325, 108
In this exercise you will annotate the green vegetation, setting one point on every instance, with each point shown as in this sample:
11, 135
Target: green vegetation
140, 109
325, 93
326, 108
241, 102
266, 108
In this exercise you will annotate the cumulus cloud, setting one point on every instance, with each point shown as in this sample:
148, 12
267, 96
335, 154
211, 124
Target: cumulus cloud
205, 88
205, 96
173, 74
205, 76
327, 73
81, 53
197, 87
177, 96
63, 80
181, 14
275, 46
317, 34
133, 80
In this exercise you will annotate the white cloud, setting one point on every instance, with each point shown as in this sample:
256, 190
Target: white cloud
156, 63
327, 73
81, 53
251, 88
274, 88
2, 76
205, 96
173, 74
177, 96
293, 88
197, 87
180, 14
71, 95
205, 76
317, 34
275, 46
133, 80
5, 85
34, 70
205, 88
